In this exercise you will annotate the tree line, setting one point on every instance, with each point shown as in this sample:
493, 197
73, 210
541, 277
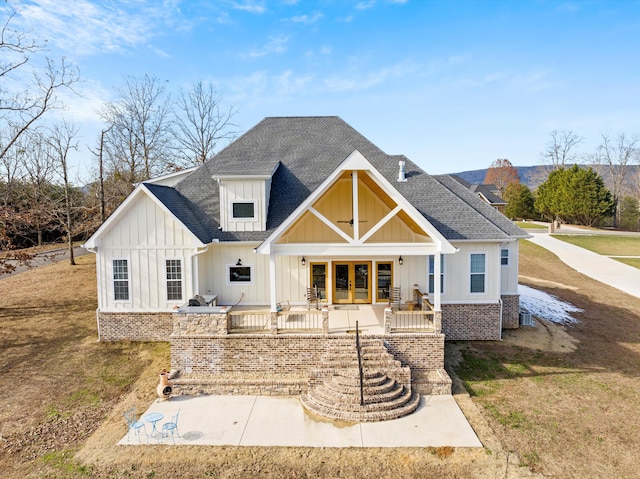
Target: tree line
147, 132
599, 188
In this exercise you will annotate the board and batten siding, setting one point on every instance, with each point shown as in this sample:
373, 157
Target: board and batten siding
146, 236
255, 191
457, 275
292, 279
509, 273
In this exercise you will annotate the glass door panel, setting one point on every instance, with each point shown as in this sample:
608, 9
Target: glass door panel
319, 279
341, 283
361, 293
385, 279
352, 282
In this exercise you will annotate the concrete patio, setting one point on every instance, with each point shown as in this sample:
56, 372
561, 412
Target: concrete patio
281, 421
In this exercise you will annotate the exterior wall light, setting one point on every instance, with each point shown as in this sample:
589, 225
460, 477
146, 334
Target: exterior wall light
239, 263
303, 261
400, 260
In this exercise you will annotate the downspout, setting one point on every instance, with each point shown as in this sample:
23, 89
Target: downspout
500, 301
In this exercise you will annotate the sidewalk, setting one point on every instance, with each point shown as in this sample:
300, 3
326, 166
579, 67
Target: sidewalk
281, 421
601, 268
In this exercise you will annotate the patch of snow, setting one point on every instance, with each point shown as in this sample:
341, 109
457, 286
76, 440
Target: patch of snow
547, 306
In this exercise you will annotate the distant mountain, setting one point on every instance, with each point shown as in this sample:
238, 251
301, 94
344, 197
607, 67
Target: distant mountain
533, 176
527, 175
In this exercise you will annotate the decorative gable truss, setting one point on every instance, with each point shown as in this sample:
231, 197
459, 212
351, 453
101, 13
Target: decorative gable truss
355, 211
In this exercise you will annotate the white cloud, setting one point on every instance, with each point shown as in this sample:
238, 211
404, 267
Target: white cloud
84, 28
275, 45
357, 80
306, 19
250, 6
366, 5
289, 84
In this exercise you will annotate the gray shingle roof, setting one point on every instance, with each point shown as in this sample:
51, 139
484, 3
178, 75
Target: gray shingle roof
305, 151
181, 208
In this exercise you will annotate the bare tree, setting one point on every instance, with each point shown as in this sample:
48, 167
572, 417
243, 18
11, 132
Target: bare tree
39, 169
138, 136
24, 97
614, 156
61, 141
560, 151
200, 123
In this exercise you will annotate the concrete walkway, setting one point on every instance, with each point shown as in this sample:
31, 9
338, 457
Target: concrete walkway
601, 268
281, 421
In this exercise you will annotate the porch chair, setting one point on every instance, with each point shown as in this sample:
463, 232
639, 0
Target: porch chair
133, 423
313, 297
171, 427
394, 296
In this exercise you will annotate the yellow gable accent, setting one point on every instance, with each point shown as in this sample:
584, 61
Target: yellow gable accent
335, 205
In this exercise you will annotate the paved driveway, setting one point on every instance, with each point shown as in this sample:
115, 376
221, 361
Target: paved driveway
601, 268
46, 258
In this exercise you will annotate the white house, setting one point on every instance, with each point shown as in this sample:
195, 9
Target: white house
298, 207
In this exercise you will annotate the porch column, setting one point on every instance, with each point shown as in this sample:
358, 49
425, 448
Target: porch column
272, 282
437, 287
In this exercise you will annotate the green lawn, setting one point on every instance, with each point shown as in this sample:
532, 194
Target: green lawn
530, 226
635, 262
608, 245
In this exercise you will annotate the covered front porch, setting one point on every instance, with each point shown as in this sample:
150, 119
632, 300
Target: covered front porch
415, 315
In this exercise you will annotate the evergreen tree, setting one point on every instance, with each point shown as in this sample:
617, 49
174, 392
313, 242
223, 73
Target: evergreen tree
574, 195
520, 201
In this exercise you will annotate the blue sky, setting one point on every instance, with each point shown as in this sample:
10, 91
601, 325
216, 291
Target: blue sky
453, 85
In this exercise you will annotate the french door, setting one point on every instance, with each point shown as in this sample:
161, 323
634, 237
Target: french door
352, 282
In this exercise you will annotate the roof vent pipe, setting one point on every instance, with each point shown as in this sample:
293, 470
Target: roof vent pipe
401, 174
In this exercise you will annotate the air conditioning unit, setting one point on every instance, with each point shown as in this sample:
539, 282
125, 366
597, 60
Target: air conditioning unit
525, 318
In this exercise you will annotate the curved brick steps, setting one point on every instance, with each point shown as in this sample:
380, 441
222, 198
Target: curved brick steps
374, 386
360, 414
387, 389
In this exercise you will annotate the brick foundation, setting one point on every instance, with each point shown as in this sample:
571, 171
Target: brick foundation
471, 321
511, 311
134, 326
265, 364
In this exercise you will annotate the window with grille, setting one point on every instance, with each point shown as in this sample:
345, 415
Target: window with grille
121, 279
174, 279
478, 272
504, 257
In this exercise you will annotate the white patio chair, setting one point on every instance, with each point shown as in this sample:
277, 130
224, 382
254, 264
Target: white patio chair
133, 423
171, 427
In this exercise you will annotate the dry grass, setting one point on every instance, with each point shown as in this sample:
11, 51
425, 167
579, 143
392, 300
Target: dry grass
565, 413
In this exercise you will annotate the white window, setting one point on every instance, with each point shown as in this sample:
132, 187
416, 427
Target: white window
431, 274
121, 280
239, 274
174, 279
243, 210
478, 272
504, 257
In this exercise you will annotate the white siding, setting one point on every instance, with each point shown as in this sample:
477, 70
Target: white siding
457, 274
292, 279
146, 236
509, 274
243, 191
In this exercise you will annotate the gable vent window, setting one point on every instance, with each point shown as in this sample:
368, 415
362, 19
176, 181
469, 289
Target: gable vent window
244, 210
